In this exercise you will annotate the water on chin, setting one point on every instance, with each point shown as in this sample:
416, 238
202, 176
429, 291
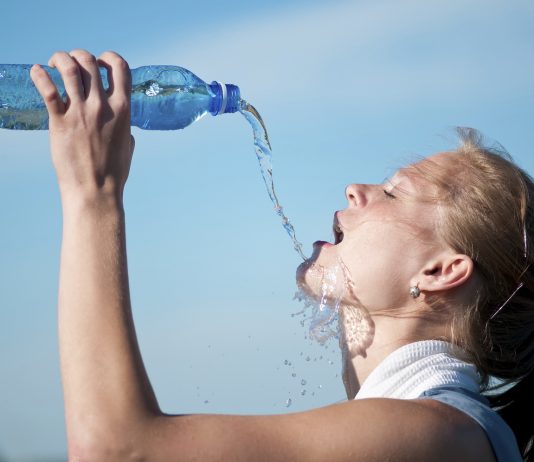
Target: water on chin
322, 302
326, 313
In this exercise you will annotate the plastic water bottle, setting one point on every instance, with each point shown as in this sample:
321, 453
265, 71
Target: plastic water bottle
163, 97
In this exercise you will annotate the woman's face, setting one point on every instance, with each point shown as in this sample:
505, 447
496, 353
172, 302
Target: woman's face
384, 239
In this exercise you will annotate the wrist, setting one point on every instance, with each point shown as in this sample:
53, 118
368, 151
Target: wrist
99, 202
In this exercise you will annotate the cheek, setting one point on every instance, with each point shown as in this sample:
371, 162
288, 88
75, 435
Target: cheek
377, 269
377, 287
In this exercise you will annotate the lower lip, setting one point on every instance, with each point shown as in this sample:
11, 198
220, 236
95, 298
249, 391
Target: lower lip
321, 244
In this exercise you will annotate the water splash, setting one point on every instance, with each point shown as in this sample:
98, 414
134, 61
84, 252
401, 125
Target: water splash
328, 316
321, 314
264, 155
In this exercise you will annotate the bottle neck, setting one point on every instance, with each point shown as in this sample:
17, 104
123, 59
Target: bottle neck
226, 98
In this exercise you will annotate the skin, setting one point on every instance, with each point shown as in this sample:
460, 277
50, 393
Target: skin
391, 243
111, 410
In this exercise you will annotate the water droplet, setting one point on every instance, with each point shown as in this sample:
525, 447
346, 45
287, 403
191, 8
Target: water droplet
206, 401
293, 375
286, 362
307, 358
288, 402
303, 382
303, 392
320, 386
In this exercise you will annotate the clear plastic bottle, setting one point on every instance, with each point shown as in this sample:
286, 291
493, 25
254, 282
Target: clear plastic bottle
163, 97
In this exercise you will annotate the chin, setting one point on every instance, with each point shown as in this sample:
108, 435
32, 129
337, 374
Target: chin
303, 278
323, 276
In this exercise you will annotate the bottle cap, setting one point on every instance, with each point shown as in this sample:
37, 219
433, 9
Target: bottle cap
226, 98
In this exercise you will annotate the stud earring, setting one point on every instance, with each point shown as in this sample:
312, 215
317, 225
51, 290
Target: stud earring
415, 291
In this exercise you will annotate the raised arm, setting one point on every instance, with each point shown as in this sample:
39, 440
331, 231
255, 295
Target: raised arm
104, 381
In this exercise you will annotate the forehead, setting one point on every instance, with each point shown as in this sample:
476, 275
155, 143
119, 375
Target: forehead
430, 170
442, 162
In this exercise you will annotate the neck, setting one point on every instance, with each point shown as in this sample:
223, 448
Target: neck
389, 332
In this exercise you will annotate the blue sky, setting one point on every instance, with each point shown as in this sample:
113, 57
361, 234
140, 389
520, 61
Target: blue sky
349, 90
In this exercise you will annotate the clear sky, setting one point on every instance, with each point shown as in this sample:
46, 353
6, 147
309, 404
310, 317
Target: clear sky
349, 91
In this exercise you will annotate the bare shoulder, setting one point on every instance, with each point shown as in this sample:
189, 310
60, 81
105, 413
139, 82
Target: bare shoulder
365, 430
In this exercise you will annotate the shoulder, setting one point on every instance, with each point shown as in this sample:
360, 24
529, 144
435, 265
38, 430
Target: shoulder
364, 430
426, 429
457, 430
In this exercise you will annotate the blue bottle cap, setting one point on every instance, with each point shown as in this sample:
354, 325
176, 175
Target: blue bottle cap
226, 98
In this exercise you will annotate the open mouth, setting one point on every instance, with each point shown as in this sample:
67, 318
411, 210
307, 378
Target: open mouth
338, 233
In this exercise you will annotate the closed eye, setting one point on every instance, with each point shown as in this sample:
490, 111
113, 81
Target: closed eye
389, 195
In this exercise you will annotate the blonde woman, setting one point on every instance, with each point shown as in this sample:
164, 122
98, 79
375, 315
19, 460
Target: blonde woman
438, 264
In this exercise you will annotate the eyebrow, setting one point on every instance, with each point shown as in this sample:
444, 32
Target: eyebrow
398, 173
401, 175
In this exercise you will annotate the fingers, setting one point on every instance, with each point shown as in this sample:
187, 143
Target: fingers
70, 73
81, 77
89, 72
119, 76
47, 89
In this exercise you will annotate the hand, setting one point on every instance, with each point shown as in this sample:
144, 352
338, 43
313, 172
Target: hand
90, 135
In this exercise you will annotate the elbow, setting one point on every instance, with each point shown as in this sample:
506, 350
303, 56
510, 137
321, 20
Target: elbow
108, 446
102, 452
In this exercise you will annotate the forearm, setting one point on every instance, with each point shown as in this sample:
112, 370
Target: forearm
105, 384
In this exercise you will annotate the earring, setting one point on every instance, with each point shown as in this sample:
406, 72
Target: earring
415, 291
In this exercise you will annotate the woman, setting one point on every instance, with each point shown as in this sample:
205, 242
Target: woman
436, 267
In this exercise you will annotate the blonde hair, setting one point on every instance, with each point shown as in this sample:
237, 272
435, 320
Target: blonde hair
488, 215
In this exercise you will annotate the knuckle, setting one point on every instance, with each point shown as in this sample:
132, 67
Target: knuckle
58, 56
50, 96
97, 107
82, 56
70, 69
121, 107
114, 59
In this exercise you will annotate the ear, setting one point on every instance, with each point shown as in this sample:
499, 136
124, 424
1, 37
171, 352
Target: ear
445, 273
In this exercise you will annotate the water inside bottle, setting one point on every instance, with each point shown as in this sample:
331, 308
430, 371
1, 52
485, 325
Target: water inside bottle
264, 155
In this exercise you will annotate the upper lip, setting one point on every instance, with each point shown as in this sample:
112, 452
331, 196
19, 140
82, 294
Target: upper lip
336, 228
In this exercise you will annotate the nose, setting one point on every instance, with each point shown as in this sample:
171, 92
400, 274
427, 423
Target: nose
355, 194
